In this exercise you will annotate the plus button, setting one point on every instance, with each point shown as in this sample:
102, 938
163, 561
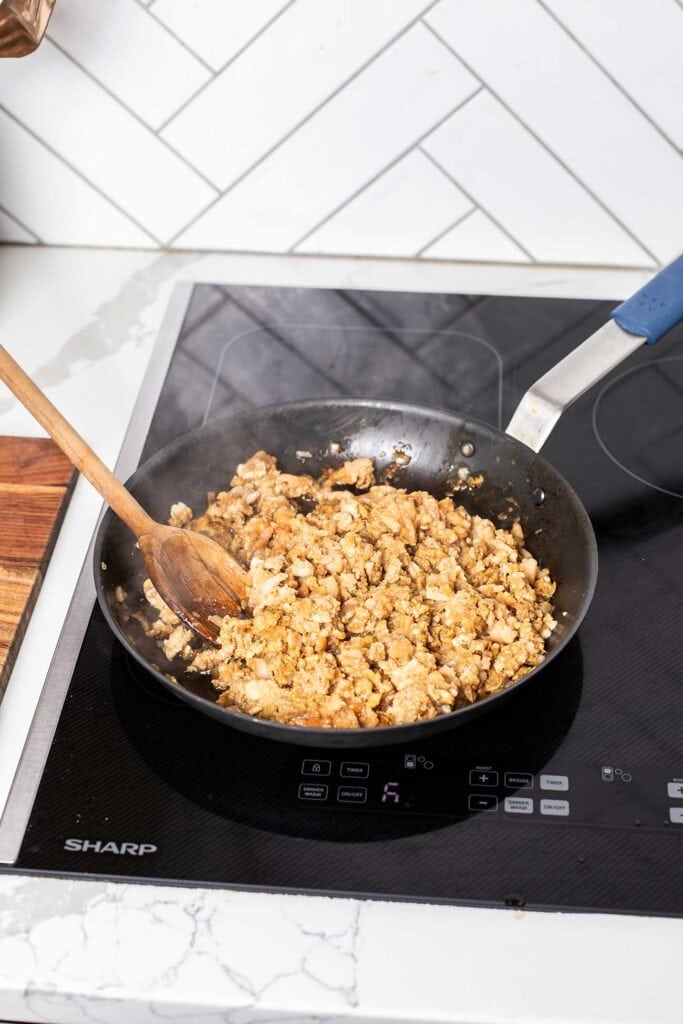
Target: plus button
483, 778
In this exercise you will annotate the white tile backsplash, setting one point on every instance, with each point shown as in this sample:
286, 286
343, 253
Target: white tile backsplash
523, 55
93, 132
53, 201
12, 231
639, 43
519, 183
258, 100
476, 237
152, 73
216, 30
400, 213
539, 130
397, 99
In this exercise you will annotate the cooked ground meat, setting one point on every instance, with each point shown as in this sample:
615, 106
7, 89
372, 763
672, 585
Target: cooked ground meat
367, 609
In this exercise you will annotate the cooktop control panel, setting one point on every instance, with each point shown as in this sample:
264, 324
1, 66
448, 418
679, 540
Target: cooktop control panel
608, 795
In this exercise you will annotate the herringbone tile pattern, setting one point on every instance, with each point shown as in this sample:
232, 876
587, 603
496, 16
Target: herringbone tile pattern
535, 131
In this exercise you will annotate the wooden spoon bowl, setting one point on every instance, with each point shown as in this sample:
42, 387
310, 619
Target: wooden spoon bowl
195, 576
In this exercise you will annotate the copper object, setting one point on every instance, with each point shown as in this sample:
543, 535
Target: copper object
22, 25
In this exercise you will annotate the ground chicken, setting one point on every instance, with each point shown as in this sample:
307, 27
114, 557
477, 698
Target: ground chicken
367, 609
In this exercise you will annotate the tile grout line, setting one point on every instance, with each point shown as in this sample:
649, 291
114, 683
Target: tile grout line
387, 167
259, 32
607, 74
80, 175
480, 206
303, 257
132, 113
148, 10
224, 67
441, 234
20, 224
554, 155
280, 142
193, 96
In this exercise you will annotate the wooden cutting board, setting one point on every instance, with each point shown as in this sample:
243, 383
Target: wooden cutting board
36, 481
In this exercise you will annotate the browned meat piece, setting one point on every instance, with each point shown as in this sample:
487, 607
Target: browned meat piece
369, 609
358, 473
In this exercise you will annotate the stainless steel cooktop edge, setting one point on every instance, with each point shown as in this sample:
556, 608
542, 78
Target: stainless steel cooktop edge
34, 755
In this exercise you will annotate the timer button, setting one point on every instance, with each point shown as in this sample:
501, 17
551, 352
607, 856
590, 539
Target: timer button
675, 790
480, 777
354, 769
557, 782
314, 767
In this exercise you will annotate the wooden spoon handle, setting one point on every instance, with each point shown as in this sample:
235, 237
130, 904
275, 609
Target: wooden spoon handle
73, 446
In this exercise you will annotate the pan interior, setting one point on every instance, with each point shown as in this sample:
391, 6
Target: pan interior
446, 451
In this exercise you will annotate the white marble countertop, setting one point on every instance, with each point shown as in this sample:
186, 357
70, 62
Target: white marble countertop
83, 323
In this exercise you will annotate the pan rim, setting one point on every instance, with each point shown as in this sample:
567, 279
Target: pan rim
329, 737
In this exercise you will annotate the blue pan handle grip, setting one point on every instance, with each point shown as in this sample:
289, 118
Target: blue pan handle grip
657, 307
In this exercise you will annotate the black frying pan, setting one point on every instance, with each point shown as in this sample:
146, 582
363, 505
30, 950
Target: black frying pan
517, 484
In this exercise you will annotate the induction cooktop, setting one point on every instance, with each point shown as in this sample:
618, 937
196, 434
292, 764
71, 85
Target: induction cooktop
568, 797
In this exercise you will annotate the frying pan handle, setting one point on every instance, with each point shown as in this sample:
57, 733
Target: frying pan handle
657, 307
646, 317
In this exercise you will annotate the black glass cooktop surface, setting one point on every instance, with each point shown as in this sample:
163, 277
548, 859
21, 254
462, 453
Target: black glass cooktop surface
569, 796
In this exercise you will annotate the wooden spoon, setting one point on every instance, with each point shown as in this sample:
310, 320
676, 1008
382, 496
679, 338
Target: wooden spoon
194, 575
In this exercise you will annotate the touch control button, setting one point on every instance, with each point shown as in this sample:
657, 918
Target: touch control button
352, 794
482, 802
312, 767
483, 778
519, 805
312, 791
558, 782
675, 790
354, 769
676, 815
558, 807
519, 780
